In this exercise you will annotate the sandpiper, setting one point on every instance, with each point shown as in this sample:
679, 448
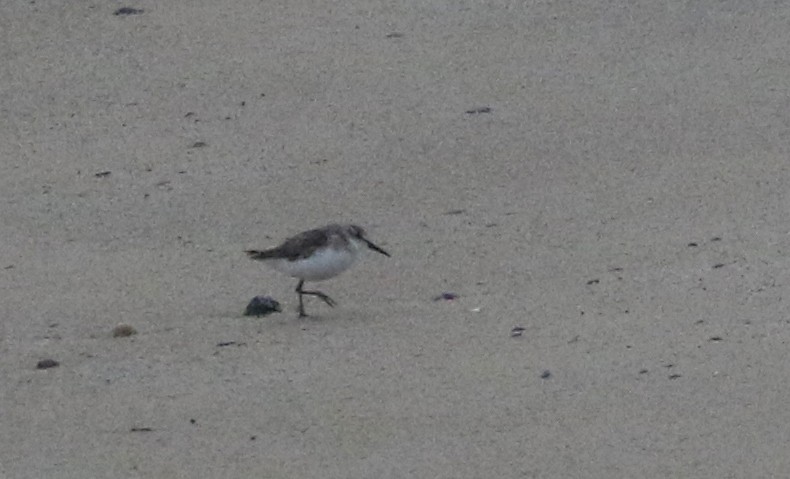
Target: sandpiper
316, 255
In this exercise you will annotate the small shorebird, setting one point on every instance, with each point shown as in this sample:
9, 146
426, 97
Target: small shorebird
316, 255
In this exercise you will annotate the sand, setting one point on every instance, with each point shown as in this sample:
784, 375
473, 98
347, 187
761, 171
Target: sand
609, 176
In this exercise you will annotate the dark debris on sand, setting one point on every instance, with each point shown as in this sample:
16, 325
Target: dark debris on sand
261, 306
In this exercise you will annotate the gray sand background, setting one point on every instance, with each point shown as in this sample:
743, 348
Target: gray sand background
619, 133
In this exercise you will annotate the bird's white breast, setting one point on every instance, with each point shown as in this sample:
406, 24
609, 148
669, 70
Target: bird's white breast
323, 264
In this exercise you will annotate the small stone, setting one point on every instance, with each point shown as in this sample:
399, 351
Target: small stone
446, 296
261, 306
47, 363
123, 331
545, 374
128, 11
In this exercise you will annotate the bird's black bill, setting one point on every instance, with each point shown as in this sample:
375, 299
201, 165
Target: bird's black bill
376, 248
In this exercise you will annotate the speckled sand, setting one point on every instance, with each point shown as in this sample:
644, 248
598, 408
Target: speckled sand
624, 201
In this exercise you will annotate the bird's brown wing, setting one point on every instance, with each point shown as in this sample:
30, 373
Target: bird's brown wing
294, 248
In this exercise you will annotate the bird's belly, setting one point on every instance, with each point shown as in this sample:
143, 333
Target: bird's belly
323, 264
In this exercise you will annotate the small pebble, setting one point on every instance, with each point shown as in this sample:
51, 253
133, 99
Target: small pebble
545, 374
123, 331
261, 306
446, 296
516, 332
128, 11
47, 363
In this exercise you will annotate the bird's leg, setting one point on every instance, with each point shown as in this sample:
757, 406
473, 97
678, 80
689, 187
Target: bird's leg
331, 302
319, 294
299, 292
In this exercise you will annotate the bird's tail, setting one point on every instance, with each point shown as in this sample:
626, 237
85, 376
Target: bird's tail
256, 254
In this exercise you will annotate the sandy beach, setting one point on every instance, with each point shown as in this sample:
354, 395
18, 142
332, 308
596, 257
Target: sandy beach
603, 186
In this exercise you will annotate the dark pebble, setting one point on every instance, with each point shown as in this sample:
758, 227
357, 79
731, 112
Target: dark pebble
123, 331
102, 174
516, 332
128, 11
47, 363
261, 306
594, 281
474, 111
446, 296
545, 374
